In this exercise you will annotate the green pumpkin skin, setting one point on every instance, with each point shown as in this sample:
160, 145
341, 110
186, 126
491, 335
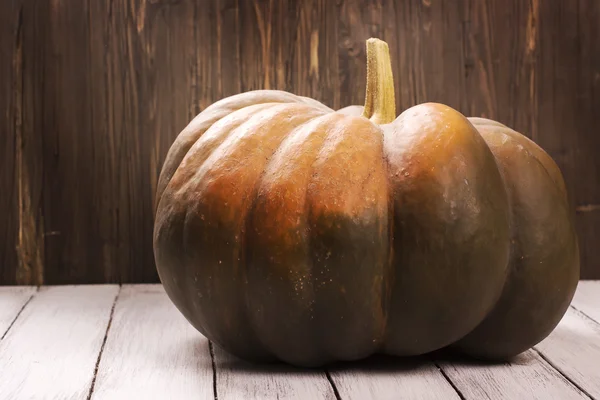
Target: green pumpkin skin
287, 231
544, 260
293, 232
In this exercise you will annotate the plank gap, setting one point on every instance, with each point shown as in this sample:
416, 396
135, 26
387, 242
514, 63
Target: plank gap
19, 313
151, 351
456, 389
587, 298
110, 319
526, 376
333, 387
584, 315
382, 375
214, 369
51, 350
572, 382
573, 349
239, 379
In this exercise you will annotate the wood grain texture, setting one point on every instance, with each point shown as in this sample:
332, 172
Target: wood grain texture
427, 46
499, 65
527, 377
142, 347
570, 69
152, 352
388, 378
52, 349
21, 221
93, 94
573, 349
569, 91
587, 299
587, 222
236, 380
11, 92
56, 151
12, 301
143, 71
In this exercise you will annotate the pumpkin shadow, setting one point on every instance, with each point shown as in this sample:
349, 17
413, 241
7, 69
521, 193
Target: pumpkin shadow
386, 363
382, 363
375, 364
372, 365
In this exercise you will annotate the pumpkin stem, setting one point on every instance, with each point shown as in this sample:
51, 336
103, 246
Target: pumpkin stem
380, 104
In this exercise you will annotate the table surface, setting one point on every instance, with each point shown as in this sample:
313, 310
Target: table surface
129, 342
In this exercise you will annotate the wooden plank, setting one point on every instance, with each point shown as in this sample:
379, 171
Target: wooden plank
586, 81
20, 208
568, 70
152, 352
581, 75
11, 94
146, 81
389, 378
499, 62
29, 169
96, 92
587, 299
56, 126
587, 223
52, 349
309, 56
573, 348
427, 47
356, 22
12, 301
237, 380
527, 377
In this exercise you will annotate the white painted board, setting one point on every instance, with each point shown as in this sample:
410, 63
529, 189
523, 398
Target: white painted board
573, 348
528, 377
152, 352
587, 299
239, 380
392, 379
12, 301
52, 349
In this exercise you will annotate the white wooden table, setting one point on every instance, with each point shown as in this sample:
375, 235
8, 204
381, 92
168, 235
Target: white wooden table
129, 342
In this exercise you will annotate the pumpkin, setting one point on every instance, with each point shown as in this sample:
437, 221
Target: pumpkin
285, 230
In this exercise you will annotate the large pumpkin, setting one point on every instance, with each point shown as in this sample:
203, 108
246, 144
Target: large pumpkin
286, 230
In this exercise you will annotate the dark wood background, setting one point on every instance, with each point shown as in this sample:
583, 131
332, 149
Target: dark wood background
92, 94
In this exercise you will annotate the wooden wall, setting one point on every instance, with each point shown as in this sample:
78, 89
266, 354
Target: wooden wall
92, 93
